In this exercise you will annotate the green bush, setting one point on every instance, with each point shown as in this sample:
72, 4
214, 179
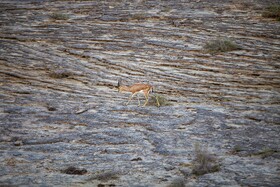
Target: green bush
158, 100
272, 12
59, 16
221, 45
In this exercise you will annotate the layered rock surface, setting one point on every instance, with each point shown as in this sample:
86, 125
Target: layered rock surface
59, 66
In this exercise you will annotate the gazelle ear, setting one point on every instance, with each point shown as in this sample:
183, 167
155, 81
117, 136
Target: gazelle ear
119, 85
119, 82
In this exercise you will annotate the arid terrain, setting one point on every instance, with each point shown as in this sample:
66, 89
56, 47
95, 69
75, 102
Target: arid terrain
64, 123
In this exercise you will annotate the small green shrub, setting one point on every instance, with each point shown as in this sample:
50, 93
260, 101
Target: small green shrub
272, 12
221, 45
59, 16
158, 100
204, 162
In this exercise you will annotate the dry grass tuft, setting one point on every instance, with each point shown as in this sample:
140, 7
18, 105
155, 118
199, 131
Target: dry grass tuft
204, 162
60, 74
74, 171
138, 16
59, 16
220, 45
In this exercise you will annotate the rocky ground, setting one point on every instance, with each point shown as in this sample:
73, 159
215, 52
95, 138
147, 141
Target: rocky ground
63, 122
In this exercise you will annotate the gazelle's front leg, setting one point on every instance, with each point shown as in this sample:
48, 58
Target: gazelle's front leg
130, 98
147, 98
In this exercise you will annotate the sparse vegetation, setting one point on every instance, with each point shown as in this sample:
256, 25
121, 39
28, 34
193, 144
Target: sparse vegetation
263, 153
60, 104
138, 16
60, 16
158, 100
236, 149
204, 162
266, 152
11, 162
105, 176
166, 9
221, 45
272, 12
178, 182
60, 74
74, 171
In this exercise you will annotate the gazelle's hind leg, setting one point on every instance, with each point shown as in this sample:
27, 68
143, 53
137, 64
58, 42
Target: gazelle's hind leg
138, 100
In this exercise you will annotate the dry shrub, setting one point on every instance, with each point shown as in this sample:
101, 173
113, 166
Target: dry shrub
272, 11
74, 171
60, 74
221, 45
59, 16
204, 162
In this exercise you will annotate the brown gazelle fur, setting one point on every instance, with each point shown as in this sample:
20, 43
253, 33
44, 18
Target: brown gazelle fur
135, 89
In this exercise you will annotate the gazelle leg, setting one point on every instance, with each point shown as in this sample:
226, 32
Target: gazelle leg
147, 98
138, 99
146, 102
130, 98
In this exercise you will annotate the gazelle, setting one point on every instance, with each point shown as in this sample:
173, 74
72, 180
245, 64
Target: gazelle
135, 89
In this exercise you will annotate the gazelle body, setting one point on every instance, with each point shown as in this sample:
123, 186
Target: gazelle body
135, 89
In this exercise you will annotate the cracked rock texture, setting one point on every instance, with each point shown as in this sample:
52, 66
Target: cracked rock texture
63, 122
